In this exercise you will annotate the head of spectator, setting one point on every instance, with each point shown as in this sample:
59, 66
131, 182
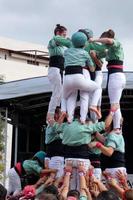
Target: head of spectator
3, 192
73, 194
51, 189
107, 195
128, 194
29, 191
40, 157
45, 196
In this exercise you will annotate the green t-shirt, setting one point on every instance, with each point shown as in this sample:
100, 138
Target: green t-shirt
83, 197
115, 51
51, 135
96, 150
32, 167
77, 56
76, 134
116, 141
57, 45
95, 46
100, 50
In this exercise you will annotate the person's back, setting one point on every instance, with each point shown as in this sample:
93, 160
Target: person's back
76, 134
76, 56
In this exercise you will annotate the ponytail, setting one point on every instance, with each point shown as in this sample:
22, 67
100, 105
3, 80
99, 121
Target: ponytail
59, 29
109, 34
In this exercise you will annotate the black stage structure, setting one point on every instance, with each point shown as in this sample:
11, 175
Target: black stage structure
27, 102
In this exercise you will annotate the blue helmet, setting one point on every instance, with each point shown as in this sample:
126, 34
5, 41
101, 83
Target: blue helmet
40, 155
88, 32
79, 39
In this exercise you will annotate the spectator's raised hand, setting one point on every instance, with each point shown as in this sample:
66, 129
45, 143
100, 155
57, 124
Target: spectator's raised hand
68, 166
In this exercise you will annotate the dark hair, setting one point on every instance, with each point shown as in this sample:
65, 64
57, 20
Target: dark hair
45, 196
107, 195
110, 34
39, 162
128, 194
103, 35
3, 192
73, 193
85, 32
51, 189
59, 29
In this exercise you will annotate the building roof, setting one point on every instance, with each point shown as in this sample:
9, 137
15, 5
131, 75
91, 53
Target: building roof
16, 45
25, 87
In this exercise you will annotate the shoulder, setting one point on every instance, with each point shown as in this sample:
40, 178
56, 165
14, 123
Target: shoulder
116, 43
115, 137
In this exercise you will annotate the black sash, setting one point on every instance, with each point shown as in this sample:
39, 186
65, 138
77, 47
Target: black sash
73, 70
56, 61
76, 151
116, 160
55, 148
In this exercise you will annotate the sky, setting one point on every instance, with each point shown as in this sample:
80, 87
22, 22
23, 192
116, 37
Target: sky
35, 20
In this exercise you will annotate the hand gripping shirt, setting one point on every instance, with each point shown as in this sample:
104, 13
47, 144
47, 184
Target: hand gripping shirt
57, 45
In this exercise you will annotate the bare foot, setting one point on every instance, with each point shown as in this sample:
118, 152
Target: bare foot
98, 113
82, 122
50, 118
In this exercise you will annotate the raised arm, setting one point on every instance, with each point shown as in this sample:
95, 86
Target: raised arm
61, 41
102, 40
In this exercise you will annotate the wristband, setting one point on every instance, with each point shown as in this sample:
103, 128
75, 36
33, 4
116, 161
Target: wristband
68, 173
99, 145
81, 174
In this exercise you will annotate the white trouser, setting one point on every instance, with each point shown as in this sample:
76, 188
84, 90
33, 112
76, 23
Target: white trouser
73, 83
57, 162
71, 104
113, 171
84, 100
117, 82
14, 182
54, 77
77, 82
74, 181
116, 85
96, 95
117, 118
